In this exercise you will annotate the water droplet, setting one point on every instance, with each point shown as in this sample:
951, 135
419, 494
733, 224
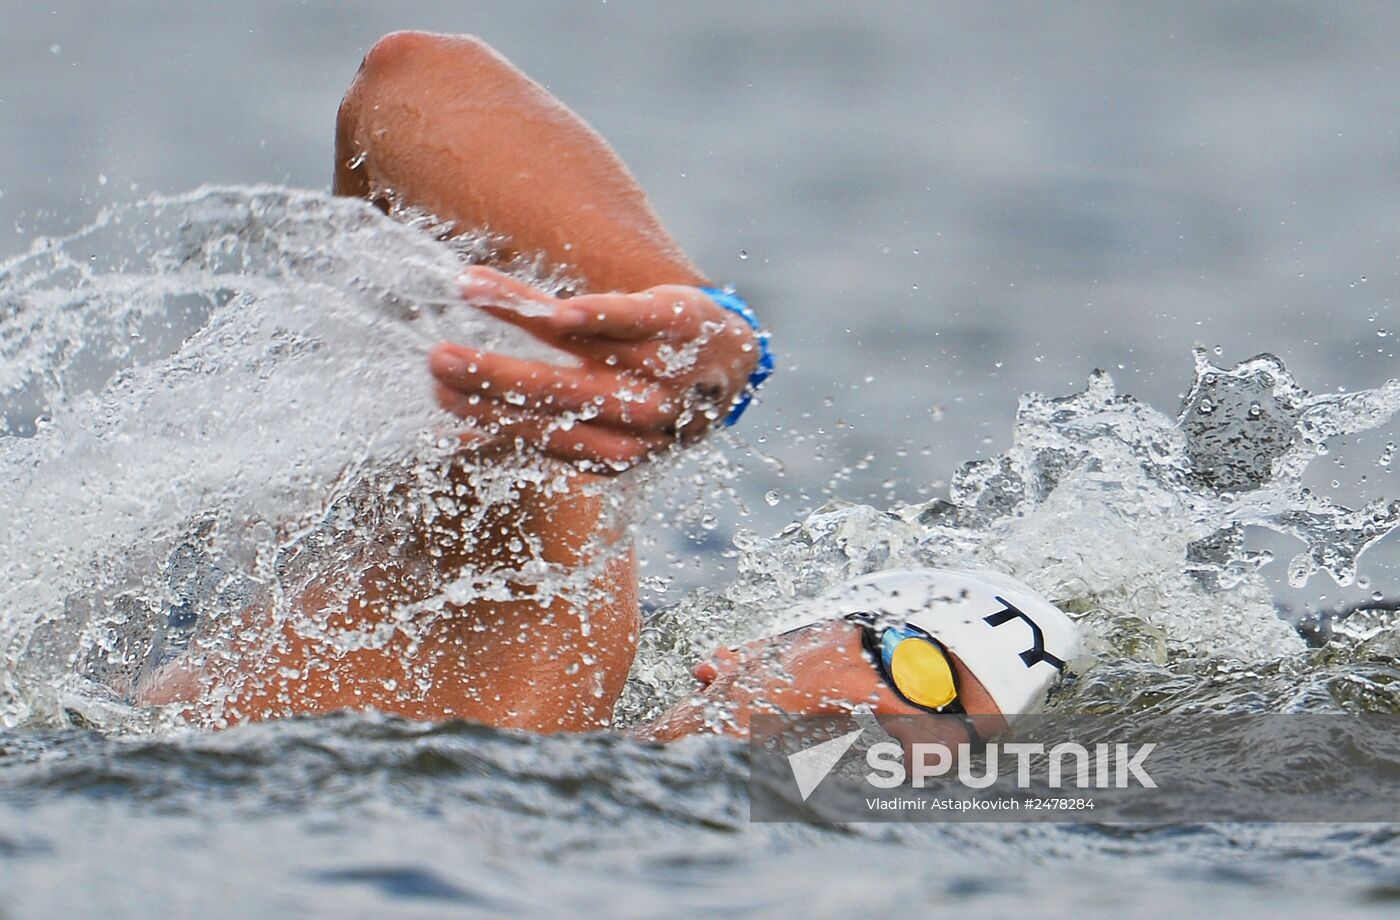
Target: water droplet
55, 49
772, 498
743, 255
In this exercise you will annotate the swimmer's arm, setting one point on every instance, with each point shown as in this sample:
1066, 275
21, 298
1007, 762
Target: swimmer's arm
445, 124
448, 126
452, 127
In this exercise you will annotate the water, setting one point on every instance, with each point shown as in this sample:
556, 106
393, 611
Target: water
161, 484
215, 399
963, 204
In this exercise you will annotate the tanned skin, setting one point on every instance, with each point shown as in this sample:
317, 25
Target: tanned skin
446, 125
822, 669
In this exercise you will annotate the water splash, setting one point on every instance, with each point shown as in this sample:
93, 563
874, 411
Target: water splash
204, 398
1132, 518
210, 400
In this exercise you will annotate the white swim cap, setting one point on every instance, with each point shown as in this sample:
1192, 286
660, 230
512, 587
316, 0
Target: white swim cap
1014, 641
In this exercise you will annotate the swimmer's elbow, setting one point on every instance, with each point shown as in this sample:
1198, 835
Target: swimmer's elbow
397, 49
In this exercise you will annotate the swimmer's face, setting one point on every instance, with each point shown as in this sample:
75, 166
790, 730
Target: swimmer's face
821, 669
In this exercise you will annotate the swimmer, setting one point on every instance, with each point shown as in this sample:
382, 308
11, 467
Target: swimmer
445, 125
977, 645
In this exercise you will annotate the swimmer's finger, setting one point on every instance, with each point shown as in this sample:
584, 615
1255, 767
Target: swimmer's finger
593, 448
546, 328
488, 422
471, 406
485, 286
606, 351
540, 326
509, 299
621, 317
547, 389
673, 311
599, 449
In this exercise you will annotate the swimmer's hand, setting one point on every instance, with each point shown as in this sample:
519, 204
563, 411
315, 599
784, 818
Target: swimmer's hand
659, 369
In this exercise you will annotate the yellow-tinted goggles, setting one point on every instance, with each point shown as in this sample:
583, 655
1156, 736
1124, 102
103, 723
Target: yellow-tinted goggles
917, 667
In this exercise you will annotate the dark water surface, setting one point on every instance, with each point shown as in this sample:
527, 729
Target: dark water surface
357, 817
937, 207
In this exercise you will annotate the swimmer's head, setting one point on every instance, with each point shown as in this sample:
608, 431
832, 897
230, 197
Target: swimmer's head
899, 642
1015, 642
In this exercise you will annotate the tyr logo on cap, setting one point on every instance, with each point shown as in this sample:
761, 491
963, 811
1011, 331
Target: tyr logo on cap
1036, 653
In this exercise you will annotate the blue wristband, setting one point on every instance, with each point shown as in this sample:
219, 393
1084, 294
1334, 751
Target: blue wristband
732, 302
